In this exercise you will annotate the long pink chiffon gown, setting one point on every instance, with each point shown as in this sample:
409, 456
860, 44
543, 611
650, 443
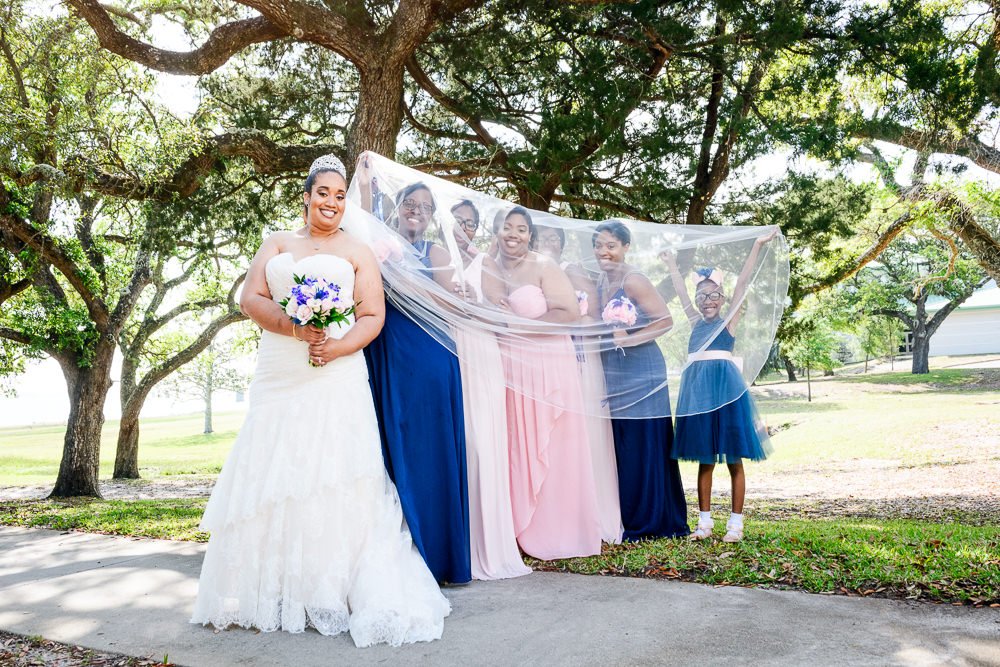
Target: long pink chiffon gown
552, 487
602, 446
493, 546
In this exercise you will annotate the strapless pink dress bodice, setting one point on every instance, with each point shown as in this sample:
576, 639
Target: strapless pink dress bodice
528, 301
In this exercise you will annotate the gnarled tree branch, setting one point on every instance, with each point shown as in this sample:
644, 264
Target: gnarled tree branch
222, 44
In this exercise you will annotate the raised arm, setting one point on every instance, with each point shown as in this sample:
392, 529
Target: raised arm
739, 292
679, 286
363, 172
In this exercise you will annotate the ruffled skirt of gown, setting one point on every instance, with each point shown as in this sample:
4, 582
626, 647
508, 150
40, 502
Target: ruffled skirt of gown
306, 528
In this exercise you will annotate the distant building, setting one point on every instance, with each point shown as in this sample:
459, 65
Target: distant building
972, 328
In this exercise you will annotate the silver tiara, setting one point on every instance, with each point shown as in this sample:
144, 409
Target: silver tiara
330, 162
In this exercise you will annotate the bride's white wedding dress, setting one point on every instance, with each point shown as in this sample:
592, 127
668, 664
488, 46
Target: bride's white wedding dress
306, 527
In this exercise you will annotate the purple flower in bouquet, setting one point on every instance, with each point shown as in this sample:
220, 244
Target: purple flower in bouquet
315, 300
620, 312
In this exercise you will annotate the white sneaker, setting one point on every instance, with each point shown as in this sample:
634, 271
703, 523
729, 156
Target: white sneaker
703, 531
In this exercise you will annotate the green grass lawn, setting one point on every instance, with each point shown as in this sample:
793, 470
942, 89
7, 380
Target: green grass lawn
876, 416
898, 417
868, 417
168, 446
903, 559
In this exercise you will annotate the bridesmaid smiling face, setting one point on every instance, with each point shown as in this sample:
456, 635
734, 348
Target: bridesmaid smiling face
516, 235
609, 250
416, 207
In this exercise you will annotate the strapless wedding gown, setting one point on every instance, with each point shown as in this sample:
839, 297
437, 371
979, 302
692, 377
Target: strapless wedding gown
306, 527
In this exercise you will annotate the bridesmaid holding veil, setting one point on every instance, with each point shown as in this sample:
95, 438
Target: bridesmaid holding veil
649, 481
417, 387
493, 544
553, 492
552, 242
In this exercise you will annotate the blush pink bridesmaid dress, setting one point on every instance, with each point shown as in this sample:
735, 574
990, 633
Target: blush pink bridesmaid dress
552, 488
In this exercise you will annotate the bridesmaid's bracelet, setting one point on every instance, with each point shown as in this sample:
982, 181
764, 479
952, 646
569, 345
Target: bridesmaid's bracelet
295, 335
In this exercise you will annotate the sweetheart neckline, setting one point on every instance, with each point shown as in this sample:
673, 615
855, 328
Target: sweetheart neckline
318, 254
526, 285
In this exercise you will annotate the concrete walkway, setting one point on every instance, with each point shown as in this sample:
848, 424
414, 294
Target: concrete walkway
134, 596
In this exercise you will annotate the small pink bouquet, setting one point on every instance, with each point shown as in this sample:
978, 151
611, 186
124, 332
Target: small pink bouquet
387, 248
620, 312
316, 301
583, 302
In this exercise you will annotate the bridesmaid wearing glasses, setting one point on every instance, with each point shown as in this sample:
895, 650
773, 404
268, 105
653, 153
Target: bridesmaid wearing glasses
417, 388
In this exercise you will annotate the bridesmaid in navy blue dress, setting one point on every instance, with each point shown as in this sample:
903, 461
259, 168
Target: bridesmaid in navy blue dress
649, 481
417, 388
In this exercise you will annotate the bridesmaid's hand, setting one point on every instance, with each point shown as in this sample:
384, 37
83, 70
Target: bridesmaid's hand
620, 336
668, 258
764, 240
324, 352
309, 333
466, 291
363, 169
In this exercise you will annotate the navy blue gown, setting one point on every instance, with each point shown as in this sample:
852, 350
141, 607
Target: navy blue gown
417, 389
649, 481
719, 422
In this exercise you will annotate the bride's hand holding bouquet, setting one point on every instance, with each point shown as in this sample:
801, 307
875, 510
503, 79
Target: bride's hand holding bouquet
314, 304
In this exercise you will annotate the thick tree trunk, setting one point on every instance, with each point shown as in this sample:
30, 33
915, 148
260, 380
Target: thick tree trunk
127, 453
921, 337
379, 114
921, 350
789, 368
88, 390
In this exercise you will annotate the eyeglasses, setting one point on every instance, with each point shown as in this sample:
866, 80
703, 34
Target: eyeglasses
468, 224
411, 205
710, 296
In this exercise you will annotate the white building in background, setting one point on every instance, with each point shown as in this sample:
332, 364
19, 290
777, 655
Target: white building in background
972, 328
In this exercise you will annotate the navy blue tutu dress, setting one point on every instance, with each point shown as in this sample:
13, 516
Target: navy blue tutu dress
417, 389
649, 481
720, 422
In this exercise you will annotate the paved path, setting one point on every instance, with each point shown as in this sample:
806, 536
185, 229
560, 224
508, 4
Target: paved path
134, 596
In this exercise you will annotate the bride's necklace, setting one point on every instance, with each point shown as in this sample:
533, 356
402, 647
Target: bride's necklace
317, 243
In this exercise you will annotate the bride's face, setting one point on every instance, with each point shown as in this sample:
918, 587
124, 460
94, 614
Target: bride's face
326, 201
515, 236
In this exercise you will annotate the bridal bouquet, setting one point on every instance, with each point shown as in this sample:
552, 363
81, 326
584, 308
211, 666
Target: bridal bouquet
318, 302
620, 312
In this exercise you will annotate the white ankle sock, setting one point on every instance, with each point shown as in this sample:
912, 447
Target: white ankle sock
735, 521
705, 517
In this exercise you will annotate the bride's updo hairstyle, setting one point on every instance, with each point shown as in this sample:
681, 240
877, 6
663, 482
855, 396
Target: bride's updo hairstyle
321, 165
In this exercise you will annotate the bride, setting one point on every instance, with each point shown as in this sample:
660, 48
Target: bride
306, 528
